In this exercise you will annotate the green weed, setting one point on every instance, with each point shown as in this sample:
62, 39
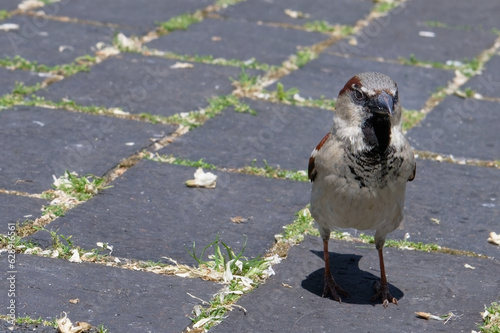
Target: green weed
225, 3
274, 172
491, 319
438, 24
411, 118
468, 67
302, 225
179, 161
303, 56
285, 95
325, 27
23, 90
80, 188
319, 26
181, 22
215, 106
4, 14
9, 100
385, 6
81, 64
239, 274
39, 321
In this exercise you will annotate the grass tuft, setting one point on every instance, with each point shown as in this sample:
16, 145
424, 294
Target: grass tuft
179, 161
81, 64
239, 274
468, 67
215, 106
274, 172
302, 225
325, 27
69, 191
4, 14
411, 118
491, 319
181, 22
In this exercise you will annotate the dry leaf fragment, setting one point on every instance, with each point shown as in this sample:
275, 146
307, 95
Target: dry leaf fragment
286, 285
107, 52
424, 315
64, 325
202, 179
52, 79
83, 326
435, 220
182, 65
427, 316
239, 219
74, 301
30, 4
494, 238
296, 14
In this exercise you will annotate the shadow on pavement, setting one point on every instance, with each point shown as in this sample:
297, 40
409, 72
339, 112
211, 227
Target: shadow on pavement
346, 272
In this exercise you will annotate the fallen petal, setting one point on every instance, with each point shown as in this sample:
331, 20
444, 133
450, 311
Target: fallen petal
202, 179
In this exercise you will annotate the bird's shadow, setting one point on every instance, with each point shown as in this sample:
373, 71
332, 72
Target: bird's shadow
346, 272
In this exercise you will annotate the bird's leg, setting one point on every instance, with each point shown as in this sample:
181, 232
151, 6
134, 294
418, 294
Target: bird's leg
331, 287
382, 288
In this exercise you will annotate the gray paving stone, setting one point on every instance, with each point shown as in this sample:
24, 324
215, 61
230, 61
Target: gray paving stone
45, 142
8, 5
131, 14
51, 42
150, 213
237, 40
327, 75
18, 209
465, 201
461, 127
280, 134
398, 34
122, 300
488, 82
425, 282
9, 78
334, 12
139, 84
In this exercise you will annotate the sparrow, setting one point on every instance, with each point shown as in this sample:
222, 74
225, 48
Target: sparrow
360, 169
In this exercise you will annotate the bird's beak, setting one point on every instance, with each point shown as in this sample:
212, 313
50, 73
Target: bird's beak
384, 104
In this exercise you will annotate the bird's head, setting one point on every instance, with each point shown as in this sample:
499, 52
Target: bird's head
369, 95
366, 99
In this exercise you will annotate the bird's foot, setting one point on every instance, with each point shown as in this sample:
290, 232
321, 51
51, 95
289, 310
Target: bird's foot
382, 292
333, 290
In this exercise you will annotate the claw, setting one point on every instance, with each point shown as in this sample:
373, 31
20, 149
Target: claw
333, 290
382, 292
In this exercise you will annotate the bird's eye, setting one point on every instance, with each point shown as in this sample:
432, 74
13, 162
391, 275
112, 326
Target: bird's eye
358, 95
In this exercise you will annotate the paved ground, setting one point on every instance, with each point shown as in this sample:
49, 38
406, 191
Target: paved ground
101, 87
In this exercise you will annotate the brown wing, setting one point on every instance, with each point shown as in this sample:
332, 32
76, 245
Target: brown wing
311, 170
414, 173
